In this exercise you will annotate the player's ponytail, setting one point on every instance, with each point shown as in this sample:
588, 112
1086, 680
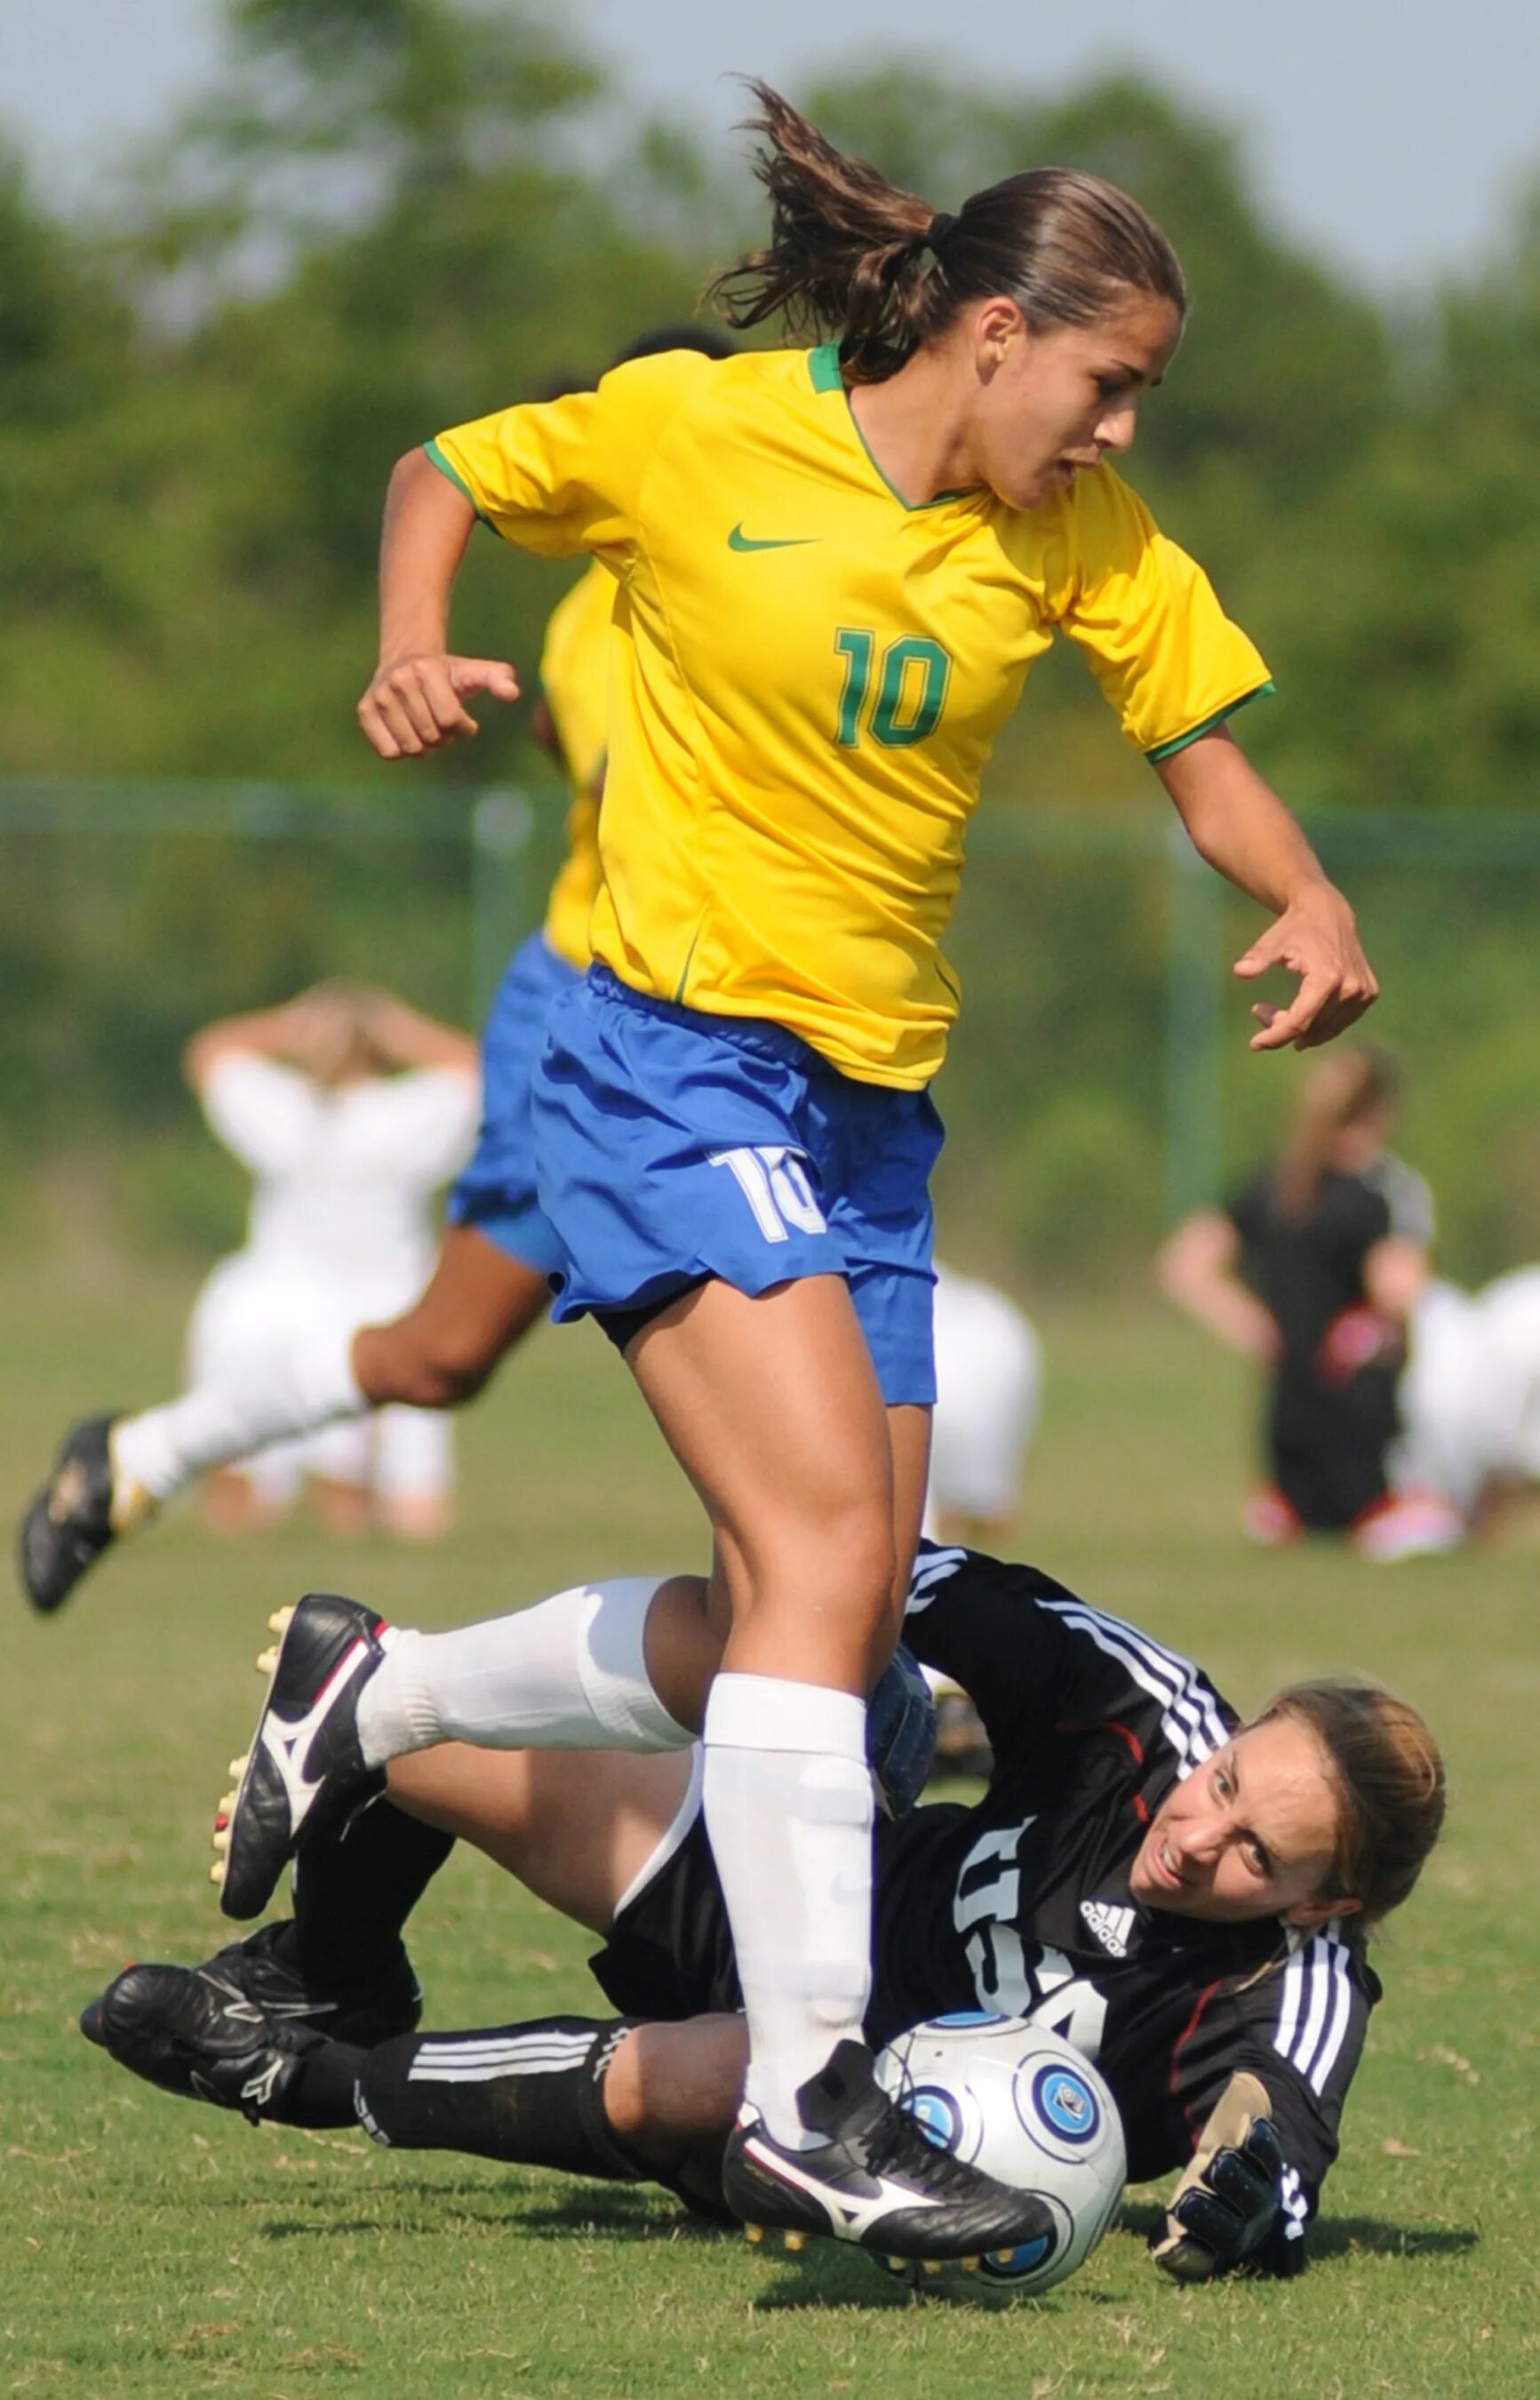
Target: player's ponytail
1389, 1780
852, 255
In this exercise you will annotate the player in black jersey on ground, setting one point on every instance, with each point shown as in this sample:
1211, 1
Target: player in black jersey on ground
1186, 1899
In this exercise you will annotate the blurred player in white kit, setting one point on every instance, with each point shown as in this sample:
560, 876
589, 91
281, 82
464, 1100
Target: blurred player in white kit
988, 1376
350, 1108
989, 1392
1470, 1396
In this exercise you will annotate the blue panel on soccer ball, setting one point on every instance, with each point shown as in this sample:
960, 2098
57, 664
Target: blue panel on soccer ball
1068, 2103
938, 2116
1009, 2266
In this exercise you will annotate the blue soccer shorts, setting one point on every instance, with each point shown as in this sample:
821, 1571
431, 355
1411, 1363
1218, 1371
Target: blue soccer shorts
497, 1193
673, 1145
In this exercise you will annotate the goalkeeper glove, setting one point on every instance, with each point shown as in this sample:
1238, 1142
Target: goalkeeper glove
1228, 2201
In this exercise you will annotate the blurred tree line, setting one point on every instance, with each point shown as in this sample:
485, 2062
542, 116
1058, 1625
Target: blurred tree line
391, 215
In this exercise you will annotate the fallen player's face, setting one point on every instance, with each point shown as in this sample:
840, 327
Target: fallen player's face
1249, 1833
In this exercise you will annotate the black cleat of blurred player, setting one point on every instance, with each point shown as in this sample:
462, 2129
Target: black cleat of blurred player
304, 1767
875, 2180
179, 2028
83, 1507
256, 1979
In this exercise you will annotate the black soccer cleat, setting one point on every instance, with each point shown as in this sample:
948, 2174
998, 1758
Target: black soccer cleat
253, 1979
878, 2180
178, 2029
304, 1768
84, 1506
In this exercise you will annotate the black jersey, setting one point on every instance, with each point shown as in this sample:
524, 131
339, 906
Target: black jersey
1021, 1903
1328, 1428
1309, 1269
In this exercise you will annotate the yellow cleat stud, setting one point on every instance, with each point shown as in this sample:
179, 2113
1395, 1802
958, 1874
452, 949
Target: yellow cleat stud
898, 2265
221, 1839
969, 2266
226, 1806
753, 2233
216, 1872
797, 2241
281, 1620
932, 2266
267, 1660
238, 1766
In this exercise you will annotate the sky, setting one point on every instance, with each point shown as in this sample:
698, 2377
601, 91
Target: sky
1389, 134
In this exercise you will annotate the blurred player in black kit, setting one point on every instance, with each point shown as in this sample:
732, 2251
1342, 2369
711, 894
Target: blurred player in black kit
1313, 1268
1186, 1898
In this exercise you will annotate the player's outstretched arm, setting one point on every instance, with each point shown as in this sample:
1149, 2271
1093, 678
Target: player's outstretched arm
1239, 825
415, 699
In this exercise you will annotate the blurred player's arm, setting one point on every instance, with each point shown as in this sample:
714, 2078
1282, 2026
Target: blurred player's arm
409, 1037
1395, 1274
1238, 824
258, 1033
1197, 1266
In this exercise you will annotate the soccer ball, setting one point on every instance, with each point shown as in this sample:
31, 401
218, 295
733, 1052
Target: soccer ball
1019, 2102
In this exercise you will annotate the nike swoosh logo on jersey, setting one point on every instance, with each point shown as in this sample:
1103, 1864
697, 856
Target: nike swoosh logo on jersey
738, 539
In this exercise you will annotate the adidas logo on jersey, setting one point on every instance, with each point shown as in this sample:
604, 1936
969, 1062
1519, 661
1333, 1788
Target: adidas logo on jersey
1109, 1925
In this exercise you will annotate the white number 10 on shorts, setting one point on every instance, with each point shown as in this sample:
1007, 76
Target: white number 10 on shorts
774, 1183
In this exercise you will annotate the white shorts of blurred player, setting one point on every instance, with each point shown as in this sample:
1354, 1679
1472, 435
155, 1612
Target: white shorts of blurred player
394, 1468
1470, 1396
988, 1379
988, 1393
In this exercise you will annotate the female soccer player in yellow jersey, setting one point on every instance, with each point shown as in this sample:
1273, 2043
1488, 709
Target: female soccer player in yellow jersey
833, 571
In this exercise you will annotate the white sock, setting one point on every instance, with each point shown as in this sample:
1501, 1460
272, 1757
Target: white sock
298, 1389
568, 1674
788, 1807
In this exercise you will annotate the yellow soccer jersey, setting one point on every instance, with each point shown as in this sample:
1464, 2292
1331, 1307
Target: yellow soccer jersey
575, 678
808, 676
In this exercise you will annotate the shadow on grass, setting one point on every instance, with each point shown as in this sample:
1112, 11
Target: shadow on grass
1340, 2237
613, 2213
827, 2273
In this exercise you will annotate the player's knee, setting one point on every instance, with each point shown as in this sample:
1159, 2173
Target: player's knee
841, 1562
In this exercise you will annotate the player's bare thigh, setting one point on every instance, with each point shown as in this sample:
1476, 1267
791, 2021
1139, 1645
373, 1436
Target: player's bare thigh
576, 1827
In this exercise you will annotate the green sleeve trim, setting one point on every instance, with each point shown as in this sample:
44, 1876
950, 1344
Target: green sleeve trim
823, 367
1180, 741
446, 467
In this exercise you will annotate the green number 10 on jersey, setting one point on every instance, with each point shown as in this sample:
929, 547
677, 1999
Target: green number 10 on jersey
910, 688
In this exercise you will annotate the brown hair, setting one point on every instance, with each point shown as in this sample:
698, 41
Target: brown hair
1389, 1780
851, 254
1352, 1082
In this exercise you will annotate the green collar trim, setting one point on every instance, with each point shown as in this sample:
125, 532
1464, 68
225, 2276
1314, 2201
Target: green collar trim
826, 374
1169, 749
446, 467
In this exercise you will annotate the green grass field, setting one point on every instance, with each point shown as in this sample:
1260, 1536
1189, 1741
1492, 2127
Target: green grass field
151, 2247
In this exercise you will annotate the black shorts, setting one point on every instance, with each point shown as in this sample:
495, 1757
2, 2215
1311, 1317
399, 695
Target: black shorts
670, 1949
